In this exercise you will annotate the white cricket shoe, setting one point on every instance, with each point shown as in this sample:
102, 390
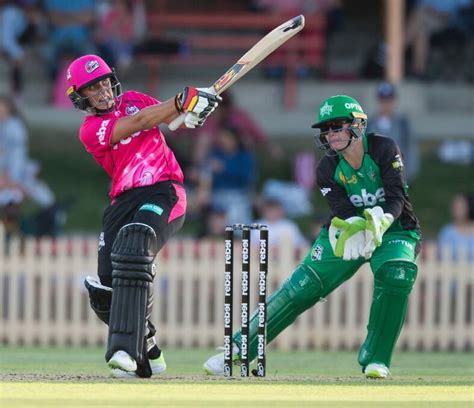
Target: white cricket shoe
158, 366
123, 361
215, 364
376, 370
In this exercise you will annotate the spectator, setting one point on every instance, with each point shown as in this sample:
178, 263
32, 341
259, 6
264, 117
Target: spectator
117, 33
229, 114
388, 122
18, 173
228, 176
280, 227
71, 26
18, 25
427, 18
332, 11
458, 236
213, 222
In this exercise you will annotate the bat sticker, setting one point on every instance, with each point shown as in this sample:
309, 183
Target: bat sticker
227, 77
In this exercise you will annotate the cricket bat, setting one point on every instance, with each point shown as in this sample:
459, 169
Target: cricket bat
251, 58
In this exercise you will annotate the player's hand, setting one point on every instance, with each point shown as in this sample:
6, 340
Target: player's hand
192, 121
377, 223
200, 101
347, 237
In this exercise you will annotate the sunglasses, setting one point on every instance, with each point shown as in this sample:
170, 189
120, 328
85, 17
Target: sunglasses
334, 126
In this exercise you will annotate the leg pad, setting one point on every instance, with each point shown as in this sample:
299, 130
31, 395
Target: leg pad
133, 272
393, 283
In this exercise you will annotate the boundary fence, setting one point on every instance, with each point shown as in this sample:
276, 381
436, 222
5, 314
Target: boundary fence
43, 300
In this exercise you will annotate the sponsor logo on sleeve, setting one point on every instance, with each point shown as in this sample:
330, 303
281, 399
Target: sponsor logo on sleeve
101, 240
325, 191
398, 163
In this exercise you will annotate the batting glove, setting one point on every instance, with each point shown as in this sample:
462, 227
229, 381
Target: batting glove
200, 101
191, 121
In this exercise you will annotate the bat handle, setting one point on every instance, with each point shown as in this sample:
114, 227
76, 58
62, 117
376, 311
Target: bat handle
177, 122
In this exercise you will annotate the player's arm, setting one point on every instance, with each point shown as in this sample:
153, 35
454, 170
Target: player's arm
389, 158
196, 101
387, 155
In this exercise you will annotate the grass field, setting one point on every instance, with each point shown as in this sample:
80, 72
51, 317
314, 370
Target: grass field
62, 377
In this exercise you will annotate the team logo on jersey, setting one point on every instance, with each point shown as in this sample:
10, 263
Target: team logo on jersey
325, 190
326, 109
345, 180
372, 175
91, 66
398, 163
131, 110
317, 253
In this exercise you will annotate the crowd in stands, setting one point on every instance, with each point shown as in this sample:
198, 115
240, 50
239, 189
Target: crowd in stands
20, 181
55, 31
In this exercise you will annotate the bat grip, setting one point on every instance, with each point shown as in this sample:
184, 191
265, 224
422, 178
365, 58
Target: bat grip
177, 122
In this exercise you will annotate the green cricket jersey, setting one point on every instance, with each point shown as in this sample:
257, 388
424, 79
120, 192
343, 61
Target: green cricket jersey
380, 180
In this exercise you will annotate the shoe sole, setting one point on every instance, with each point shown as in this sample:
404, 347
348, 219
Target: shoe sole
118, 373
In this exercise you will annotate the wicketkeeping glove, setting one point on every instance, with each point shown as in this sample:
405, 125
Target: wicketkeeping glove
377, 223
347, 237
200, 101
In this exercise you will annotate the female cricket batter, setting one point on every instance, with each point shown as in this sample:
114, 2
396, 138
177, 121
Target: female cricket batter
148, 202
363, 179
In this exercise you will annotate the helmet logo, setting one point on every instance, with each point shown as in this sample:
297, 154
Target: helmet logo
326, 109
353, 106
91, 66
68, 74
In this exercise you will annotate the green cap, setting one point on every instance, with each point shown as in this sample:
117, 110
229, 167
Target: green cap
339, 107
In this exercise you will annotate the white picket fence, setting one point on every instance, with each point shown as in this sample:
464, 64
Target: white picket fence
43, 300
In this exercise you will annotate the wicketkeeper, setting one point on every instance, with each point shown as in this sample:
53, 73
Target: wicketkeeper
363, 180
148, 202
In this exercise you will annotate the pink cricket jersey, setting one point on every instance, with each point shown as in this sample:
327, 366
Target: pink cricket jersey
140, 160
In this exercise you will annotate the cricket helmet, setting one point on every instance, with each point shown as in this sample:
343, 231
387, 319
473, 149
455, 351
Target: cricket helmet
333, 113
85, 71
